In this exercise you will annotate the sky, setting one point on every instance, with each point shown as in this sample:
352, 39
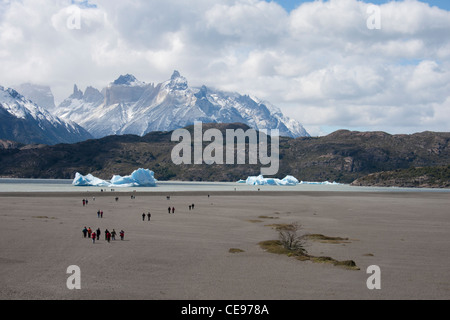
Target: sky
337, 64
293, 4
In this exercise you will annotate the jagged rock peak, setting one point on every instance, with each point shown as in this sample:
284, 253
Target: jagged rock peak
13, 93
92, 95
175, 75
202, 92
178, 82
125, 80
77, 93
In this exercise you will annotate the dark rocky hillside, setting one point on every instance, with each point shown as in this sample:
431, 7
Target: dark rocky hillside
422, 177
342, 156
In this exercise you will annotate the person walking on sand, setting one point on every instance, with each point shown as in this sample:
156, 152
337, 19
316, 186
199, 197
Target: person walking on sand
169, 210
98, 234
113, 235
143, 216
101, 214
122, 234
89, 232
98, 214
192, 206
93, 237
85, 231
149, 215
84, 202
173, 209
106, 234
108, 237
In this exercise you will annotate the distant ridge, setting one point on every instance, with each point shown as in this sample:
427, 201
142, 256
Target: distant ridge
129, 106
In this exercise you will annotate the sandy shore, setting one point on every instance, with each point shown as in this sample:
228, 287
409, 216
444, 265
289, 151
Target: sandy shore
186, 255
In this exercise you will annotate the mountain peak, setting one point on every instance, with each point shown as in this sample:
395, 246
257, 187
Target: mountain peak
77, 93
127, 79
178, 82
175, 75
26, 122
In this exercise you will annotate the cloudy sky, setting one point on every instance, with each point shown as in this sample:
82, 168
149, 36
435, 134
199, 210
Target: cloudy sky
359, 65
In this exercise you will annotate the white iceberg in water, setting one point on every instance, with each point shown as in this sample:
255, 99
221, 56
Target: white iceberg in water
321, 183
261, 181
287, 181
89, 180
139, 178
290, 181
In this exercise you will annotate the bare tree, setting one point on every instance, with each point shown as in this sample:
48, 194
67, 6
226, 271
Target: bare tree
291, 240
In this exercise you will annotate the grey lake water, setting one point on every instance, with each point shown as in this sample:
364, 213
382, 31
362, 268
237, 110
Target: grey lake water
52, 185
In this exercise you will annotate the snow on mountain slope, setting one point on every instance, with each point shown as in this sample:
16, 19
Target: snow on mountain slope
24, 121
129, 106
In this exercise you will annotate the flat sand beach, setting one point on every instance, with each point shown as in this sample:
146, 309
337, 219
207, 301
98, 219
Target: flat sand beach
186, 255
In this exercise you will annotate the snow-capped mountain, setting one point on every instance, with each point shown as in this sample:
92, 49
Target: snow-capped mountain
24, 121
129, 106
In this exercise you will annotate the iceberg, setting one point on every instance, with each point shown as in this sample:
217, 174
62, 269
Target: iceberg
139, 178
261, 181
321, 183
88, 181
287, 181
291, 181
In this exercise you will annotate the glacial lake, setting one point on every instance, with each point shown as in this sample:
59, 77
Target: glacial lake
52, 185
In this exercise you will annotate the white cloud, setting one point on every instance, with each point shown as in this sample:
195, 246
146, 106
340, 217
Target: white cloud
319, 63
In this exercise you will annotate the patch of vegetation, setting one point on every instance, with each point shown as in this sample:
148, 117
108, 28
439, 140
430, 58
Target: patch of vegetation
325, 239
348, 264
274, 246
267, 217
235, 250
43, 217
293, 245
281, 226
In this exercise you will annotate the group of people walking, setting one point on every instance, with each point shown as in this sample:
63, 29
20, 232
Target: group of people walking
172, 209
95, 235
